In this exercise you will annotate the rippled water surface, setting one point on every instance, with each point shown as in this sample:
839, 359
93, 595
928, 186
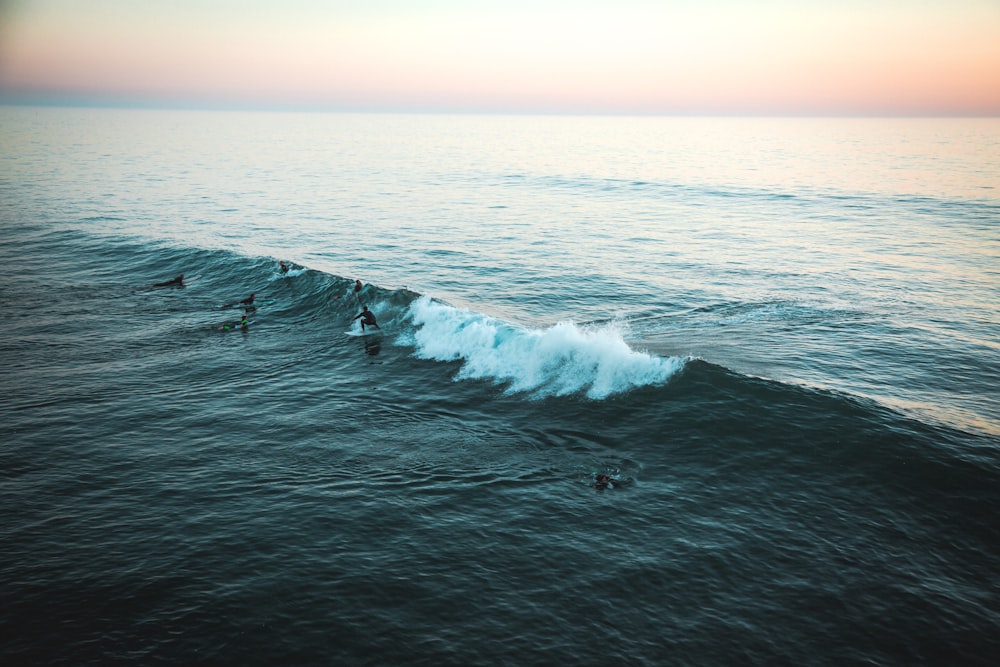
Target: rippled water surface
776, 337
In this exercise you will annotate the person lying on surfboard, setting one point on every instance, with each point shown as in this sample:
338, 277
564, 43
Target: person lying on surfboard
367, 317
242, 324
179, 280
247, 302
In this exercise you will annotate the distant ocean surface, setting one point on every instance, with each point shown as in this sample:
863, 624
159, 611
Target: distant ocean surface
779, 339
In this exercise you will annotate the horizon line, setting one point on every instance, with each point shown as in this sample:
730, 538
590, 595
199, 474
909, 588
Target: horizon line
98, 102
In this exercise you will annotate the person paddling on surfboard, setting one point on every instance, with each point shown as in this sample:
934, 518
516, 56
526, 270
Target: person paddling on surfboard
179, 280
242, 324
357, 290
248, 302
367, 318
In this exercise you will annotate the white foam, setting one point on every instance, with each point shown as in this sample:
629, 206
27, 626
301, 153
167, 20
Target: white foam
562, 359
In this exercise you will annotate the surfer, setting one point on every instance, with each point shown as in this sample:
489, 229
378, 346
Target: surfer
367, 318
248, 302
357, 290
179, 280
282, 266
242, 324
604, 481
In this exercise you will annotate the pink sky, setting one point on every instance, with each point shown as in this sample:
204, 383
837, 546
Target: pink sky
624, 56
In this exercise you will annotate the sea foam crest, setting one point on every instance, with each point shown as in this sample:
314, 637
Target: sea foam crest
562, 359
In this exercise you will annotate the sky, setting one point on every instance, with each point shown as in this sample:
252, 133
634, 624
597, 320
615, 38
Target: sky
728, 57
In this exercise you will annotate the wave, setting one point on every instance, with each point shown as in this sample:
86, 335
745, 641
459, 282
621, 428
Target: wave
974, 210
559, 360
648, 401
564, 359
592, 360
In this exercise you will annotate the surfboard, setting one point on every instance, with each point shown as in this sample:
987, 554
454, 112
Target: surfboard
353, 332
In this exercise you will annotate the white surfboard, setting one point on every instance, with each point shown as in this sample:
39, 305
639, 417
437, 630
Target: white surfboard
353, 332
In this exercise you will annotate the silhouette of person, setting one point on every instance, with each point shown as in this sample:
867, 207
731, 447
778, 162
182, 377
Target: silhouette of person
247, 302
367, 318
179, 280
242, 324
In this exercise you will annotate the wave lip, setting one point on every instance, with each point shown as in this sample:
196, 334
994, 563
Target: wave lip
560, 360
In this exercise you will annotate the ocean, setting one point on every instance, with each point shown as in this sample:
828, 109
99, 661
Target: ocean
645, 391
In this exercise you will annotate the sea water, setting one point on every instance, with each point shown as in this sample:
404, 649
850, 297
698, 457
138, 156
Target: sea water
778, 338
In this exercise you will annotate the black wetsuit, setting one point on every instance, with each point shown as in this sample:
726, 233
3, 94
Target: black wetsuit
367, 318
179, 280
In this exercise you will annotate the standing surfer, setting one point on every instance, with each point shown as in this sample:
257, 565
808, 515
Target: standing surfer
367, 318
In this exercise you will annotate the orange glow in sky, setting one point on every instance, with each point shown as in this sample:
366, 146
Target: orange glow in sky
620, 56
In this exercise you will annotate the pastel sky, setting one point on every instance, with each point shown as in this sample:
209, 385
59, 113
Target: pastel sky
617, 56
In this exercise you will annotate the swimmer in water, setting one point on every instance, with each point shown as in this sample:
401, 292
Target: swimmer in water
604, 481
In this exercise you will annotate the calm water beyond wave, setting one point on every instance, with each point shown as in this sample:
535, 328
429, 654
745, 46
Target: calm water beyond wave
778, 338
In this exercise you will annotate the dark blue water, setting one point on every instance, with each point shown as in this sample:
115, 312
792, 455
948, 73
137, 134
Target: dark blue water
802, 446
